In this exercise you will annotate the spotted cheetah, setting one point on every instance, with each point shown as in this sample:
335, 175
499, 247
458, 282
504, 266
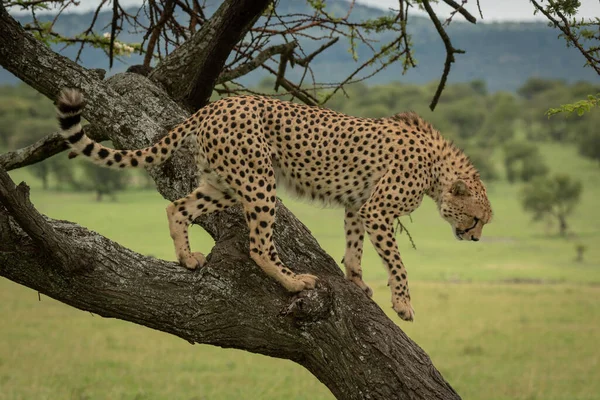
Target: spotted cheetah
377, 169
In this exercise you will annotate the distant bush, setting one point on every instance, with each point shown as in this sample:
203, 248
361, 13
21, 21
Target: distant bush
553, 198
523, 162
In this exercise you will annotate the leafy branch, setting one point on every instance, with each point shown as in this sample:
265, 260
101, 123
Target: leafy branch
580, 107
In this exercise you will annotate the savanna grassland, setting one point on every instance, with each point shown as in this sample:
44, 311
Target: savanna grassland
511, 317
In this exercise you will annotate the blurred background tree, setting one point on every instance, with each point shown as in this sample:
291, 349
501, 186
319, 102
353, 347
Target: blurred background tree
552, 197
523, 161
103, 181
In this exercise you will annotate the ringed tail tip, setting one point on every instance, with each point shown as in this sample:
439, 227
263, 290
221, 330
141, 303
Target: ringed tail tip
70, 102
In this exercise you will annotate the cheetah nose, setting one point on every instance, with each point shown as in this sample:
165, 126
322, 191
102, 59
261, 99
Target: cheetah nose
475, 239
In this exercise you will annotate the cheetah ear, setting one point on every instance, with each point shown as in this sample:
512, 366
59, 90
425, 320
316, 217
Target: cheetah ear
459, 188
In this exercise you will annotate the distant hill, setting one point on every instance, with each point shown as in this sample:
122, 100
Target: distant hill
504, 55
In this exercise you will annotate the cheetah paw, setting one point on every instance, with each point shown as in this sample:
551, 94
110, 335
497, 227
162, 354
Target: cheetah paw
300, 282
362, 285
193, 260
310, 281
403, 309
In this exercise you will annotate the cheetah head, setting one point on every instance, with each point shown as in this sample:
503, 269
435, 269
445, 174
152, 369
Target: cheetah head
466, 207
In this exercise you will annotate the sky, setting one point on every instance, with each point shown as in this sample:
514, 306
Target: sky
498, 10
493, 10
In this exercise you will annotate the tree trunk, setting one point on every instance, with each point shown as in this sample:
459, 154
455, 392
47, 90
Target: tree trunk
562, 225
45, 181
335, 331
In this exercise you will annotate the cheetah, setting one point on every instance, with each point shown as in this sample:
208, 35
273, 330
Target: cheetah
247, 146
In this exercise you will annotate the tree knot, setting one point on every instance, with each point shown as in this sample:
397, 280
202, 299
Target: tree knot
309, 305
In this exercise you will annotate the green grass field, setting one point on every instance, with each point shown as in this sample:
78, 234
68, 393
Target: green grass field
511, 317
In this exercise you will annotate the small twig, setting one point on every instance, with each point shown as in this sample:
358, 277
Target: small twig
294, 90
571, 37
90, 28
113, 32
285, 57
450, 51
461, 10
306, 60
255, 62
403, 229
156, 30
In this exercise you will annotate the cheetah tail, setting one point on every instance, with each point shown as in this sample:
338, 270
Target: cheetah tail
69, 105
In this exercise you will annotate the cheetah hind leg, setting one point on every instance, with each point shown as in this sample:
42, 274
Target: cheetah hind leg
204, 200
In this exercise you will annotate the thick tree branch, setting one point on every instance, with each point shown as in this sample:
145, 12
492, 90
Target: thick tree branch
46, 147
48, 72
334, 331
206, 52
53, 245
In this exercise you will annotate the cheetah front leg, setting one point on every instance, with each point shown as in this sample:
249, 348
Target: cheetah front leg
263, 251
258, 199
204, 200
377, 215
355, 232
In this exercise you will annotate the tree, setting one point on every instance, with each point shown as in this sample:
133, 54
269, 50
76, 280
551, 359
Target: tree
552, 197
588, 137
103, 181
523, 162
499, 124
536, 106
133, 110
538, 86
482, 160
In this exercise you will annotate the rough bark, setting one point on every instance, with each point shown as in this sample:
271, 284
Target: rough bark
336, 332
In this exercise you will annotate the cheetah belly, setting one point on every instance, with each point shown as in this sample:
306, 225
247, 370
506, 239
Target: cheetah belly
321, 173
